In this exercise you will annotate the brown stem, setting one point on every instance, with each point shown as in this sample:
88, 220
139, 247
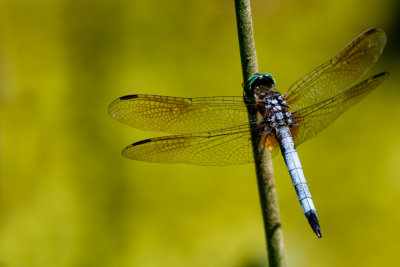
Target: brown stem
262, 156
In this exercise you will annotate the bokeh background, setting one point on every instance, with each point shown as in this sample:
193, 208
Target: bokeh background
68, 197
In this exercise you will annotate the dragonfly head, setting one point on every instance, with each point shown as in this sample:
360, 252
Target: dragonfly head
264, 80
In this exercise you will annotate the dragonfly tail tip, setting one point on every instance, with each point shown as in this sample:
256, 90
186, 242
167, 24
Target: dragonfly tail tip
314, 223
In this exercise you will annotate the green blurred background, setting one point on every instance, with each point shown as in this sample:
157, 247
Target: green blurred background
68, 197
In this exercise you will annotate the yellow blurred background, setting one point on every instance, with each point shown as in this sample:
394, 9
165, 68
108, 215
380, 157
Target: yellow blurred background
68, 197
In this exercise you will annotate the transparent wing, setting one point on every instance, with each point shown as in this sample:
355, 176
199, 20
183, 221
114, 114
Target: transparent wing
315, 118
179, 115
221, 147
339, 73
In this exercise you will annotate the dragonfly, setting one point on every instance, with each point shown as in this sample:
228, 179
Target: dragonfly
216, 130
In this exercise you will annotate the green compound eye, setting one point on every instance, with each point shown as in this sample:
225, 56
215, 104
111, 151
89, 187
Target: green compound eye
258, 78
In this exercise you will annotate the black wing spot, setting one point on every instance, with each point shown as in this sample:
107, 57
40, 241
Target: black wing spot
126, 97
379, 75
141, 142
371, 31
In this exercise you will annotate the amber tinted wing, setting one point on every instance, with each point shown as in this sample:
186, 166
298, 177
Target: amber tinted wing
339, 73
221, 147
179, 115
316, 117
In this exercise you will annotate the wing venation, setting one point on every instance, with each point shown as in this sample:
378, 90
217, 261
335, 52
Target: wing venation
179, 115
339, 73
317, 117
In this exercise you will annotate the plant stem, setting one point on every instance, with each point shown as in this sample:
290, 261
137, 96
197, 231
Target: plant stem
262, 156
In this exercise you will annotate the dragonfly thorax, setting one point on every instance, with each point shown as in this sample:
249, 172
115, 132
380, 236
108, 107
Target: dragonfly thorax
275, 110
